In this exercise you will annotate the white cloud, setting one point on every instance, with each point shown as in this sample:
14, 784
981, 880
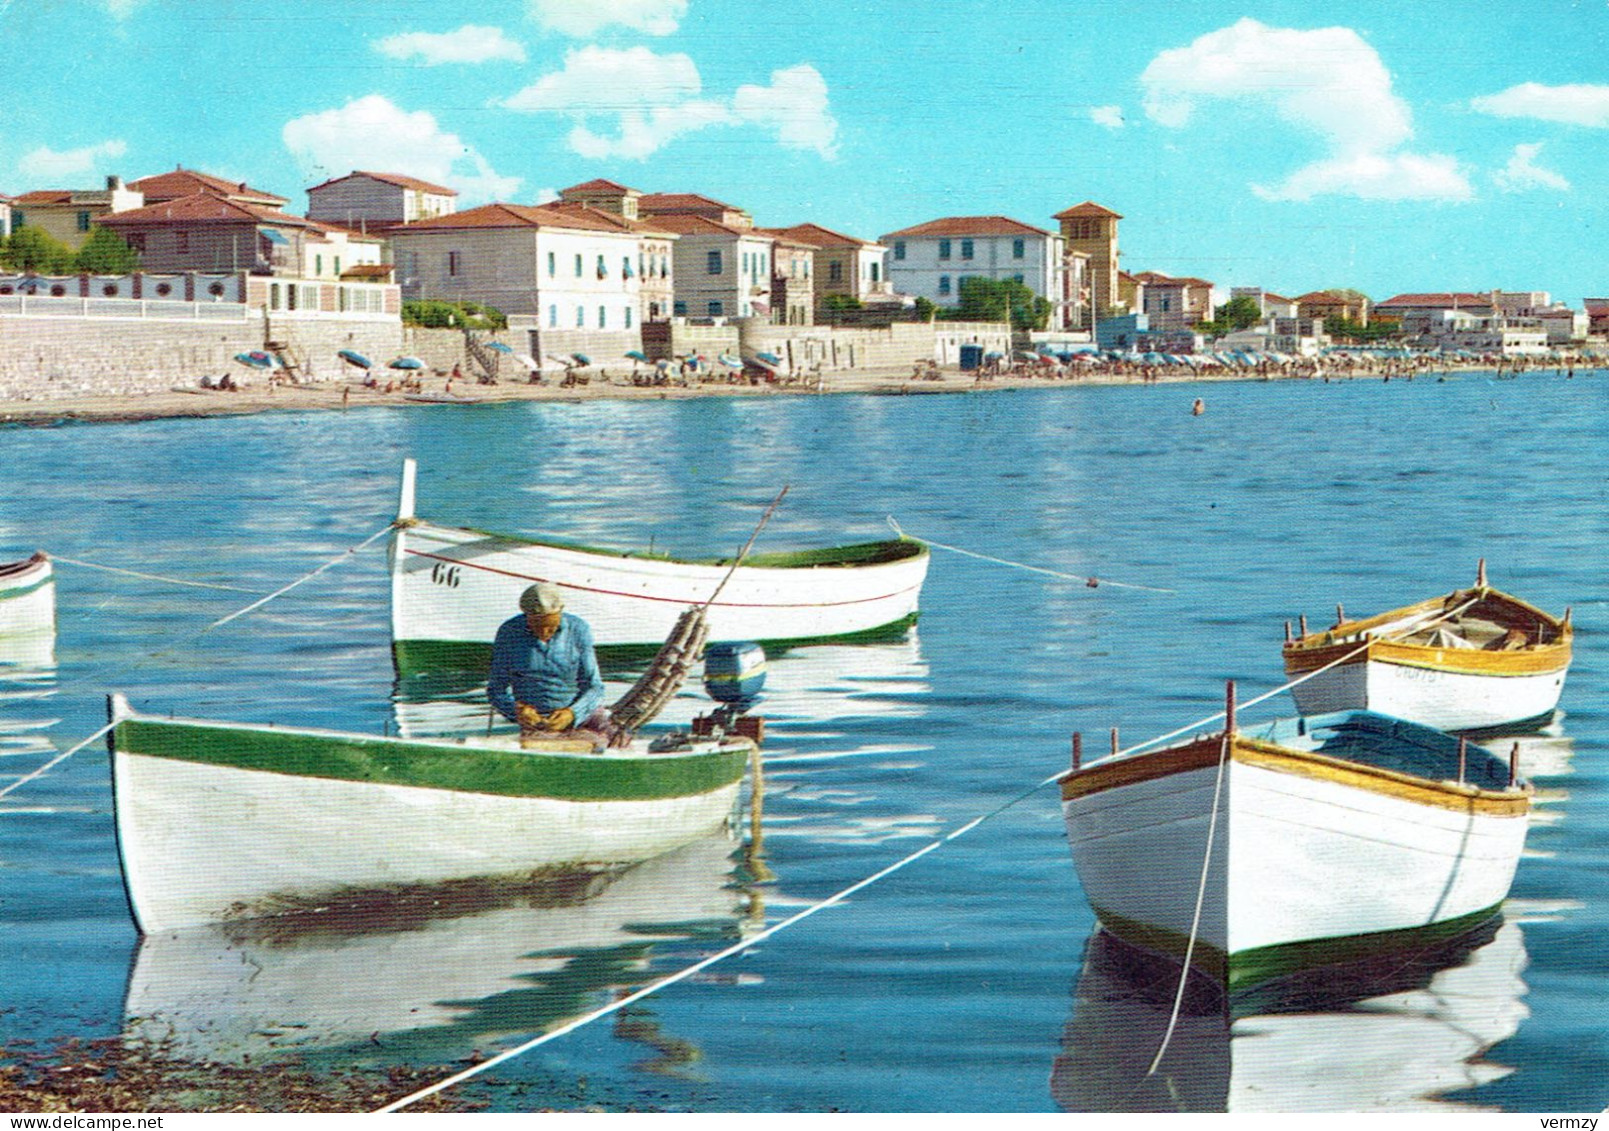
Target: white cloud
471, 43
583, 18
122, 9
1523, 173
795, 106
373, 133
1109, 116
547, 195
1328, 82
1579, 104
1375, 176
45, 163
632, 102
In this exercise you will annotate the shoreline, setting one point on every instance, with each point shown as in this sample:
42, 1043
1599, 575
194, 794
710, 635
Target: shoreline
179, 402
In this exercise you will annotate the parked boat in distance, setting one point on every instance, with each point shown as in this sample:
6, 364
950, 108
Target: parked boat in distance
1331, 838
219, 821
28, 595
1476, 659
452, 587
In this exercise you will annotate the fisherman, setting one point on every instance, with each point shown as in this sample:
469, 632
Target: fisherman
544, 672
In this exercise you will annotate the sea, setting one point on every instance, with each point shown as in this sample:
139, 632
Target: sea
1103, 559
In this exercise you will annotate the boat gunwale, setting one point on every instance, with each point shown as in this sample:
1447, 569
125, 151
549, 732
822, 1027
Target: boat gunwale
853, 555
1319, 649
1204, 752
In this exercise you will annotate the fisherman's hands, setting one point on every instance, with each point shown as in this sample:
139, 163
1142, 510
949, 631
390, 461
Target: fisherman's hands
562, 719
529, 717
532, 720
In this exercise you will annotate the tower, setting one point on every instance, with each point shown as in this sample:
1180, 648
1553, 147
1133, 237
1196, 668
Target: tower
1092, 229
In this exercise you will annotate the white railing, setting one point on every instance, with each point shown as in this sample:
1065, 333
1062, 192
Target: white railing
48, 307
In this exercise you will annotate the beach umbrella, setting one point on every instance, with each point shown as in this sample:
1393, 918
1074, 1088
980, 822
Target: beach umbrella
581, 359
769, 358
500, 347
255, 359
636, 355
353, 357
407, 363
731, 362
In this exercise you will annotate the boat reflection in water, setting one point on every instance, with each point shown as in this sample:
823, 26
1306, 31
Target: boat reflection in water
1392, 1034
438, 971
27, 679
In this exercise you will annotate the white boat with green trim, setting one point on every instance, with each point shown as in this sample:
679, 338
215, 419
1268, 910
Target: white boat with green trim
27, 596
219, 821
1330, 837
451, 587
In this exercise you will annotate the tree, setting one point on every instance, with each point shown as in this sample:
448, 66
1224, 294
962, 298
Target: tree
1000, 300
925, 309
35, 250
836, 303
441, 314
106, 253
1236, 314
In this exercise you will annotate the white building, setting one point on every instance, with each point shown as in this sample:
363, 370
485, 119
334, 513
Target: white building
720, 271
930, 260
363, 200
329, 252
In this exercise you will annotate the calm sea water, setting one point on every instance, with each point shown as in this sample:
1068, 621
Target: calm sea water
966, 981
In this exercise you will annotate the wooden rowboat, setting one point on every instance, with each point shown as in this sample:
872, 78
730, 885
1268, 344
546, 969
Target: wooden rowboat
1331, 837
1476, 659
452, 587
219, 821
27, 596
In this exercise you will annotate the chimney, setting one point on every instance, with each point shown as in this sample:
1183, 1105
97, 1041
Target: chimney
114, 183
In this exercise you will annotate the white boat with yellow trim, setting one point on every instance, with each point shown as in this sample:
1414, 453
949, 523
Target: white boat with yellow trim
1321, 839
452, 587
1476, 659
28, 596
220, 821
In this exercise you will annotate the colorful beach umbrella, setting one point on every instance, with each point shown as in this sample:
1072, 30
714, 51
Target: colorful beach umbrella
407, 363
353, 357
500, 347
256, 359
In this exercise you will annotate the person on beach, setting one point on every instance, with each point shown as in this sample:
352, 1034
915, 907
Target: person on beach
544, 673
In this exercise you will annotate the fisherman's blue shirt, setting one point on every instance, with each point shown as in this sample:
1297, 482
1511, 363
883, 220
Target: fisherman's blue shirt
560, 673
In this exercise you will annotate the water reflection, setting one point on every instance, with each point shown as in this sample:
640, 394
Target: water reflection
456, 968
27, 682
1394, 1035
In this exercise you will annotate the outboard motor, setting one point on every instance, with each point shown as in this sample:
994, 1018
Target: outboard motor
734, 674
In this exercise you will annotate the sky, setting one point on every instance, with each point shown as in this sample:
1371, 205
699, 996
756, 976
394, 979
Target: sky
1376, 145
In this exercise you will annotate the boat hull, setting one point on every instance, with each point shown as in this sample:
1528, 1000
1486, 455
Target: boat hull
1436, 697
28, 597
452, 588
221, 821
1314, 860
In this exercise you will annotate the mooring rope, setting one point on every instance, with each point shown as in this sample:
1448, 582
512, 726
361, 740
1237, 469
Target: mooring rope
1088, 582
151, 576
343, 556
62, 757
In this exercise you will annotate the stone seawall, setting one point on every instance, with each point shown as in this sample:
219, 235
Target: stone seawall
55, 356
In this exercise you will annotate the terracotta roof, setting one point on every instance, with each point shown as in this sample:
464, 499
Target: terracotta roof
1156, 278
780, 235
817, 236
369, 271
206, 208
598, 184
969, 226
703, 226
45, 196
185, 182
1436, 299
1324, 296
1088, 208
680, 202
571, 216
1272, 297
594, 215
399, 179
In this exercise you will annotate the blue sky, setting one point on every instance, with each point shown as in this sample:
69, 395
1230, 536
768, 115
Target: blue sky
1384, 146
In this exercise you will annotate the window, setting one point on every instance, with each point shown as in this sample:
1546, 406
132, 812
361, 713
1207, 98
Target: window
603, 269
713, 263
455, 263
944, 284
83, 221
679, 307
603, 317
578, 265
17, 218
337, 266
318, 265
835, 272
136, 240
716, 308
181, 243
966, 249
625, 267
553, 265
1019, 248
899, 249
553, 314
1018, 278
580, 318
875, 271
746, 268
628, 317
944, 249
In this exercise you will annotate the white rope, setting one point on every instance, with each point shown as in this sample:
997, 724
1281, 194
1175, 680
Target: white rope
1091, 582
337, 560
151, 576
62, 757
